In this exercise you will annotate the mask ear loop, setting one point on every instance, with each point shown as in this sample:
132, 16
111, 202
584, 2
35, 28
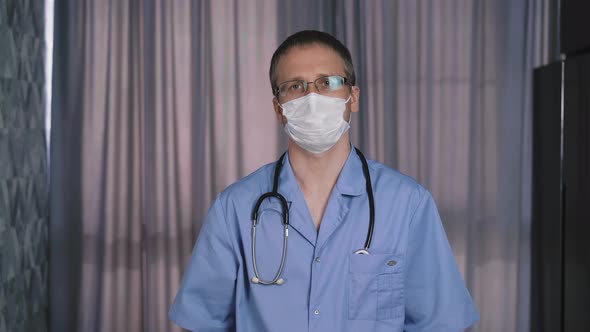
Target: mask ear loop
280, 105
350, 96
347, 100
282, 109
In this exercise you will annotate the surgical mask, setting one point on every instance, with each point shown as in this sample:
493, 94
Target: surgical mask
315, 122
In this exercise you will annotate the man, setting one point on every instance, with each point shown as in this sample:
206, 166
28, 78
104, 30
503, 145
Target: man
334, 273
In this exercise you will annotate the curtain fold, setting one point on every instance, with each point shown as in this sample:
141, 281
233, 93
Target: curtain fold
159, 105
127, 157
156, 108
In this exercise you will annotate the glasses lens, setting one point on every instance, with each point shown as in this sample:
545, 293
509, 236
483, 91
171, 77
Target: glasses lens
292, 89
330, 83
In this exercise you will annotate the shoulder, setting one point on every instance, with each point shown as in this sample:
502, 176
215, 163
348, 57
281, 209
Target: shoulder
252, 185
397, 189
386, 179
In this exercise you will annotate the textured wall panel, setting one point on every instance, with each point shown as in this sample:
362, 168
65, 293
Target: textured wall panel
23, 168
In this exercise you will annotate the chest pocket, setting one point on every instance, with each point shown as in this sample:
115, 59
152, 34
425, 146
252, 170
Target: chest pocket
375, 287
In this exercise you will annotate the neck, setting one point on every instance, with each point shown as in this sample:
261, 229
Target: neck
319, 171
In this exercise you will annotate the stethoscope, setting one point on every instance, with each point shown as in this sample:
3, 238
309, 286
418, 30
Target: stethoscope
285, 219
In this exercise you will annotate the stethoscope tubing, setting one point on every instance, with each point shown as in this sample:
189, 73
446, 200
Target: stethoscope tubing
285, 220
277, 278
369, 188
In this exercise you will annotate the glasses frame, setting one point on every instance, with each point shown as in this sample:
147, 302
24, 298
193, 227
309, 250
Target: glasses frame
306, 85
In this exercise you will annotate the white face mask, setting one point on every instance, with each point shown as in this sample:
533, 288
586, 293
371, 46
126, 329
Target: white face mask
315, 122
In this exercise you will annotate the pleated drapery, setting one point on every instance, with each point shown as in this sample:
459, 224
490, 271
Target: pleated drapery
159, 105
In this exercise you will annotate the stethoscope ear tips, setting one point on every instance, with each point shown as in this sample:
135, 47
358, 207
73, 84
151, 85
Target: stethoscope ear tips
280, 281
255, 280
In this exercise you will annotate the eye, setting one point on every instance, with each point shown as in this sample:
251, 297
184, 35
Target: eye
325, 82
330, 82
292, 88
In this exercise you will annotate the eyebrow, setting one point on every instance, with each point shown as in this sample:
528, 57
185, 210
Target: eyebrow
300, 78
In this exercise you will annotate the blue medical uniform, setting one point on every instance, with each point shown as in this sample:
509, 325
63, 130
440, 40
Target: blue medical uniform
409, 282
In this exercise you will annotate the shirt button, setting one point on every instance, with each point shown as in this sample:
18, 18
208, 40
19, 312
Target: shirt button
317, 259
316, 312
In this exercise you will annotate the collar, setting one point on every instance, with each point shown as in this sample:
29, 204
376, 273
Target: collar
351, 180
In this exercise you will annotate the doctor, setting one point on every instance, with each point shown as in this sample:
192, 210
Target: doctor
339, 244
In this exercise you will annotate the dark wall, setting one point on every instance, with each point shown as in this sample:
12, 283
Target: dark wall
575, 37
575, 26
23, 168
560, 293
546, 230
576, 168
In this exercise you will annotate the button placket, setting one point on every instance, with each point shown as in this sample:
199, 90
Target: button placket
314, 277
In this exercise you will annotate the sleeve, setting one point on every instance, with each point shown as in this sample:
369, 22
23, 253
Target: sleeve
205, 300
436, 296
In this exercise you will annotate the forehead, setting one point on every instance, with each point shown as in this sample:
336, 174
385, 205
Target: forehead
308, 62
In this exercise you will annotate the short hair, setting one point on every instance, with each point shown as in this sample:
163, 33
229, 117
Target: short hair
310, 37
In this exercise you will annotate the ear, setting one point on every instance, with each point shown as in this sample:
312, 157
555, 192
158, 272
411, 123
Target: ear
278, 111
354, 99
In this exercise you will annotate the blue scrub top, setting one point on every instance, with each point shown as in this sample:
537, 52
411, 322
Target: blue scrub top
409, 282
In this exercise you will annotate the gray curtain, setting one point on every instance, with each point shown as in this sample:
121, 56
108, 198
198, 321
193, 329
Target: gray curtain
131, 85
24, 208
158, 105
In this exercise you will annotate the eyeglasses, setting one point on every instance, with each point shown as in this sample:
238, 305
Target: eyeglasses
326, 85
